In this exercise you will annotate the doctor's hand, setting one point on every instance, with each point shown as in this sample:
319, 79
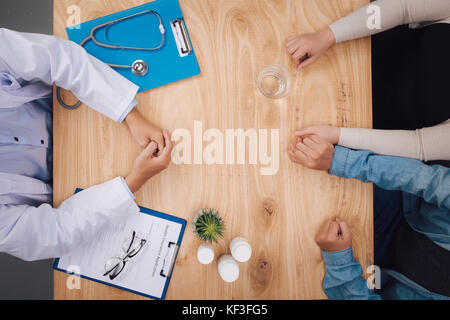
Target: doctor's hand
312, 152
149, 163
307, 48
334, 236
143, 131
328, 133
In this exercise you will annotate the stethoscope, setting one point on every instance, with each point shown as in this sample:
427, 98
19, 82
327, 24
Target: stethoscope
139, 67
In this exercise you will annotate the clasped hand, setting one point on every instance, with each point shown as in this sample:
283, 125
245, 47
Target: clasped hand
156, 155
314, 148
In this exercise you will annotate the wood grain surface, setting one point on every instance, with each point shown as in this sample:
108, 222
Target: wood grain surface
279, 214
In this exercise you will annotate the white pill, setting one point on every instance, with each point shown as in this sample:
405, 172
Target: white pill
228, 268
240, 249
205, 254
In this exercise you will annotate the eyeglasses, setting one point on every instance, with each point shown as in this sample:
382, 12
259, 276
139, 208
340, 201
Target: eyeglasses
131, 247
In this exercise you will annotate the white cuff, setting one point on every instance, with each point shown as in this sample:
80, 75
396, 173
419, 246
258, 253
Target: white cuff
127, 111
127, 188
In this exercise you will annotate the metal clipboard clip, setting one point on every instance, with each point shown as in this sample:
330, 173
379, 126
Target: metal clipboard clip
181, 37
169, 260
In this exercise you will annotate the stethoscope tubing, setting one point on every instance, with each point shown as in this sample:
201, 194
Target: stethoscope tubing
93, 38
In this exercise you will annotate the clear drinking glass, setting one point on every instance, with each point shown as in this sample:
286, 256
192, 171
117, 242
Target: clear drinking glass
273, 81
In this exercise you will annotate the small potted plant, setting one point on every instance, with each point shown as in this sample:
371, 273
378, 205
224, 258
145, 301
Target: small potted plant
208, 225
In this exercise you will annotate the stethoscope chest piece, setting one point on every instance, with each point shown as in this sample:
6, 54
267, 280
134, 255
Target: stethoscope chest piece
139, 68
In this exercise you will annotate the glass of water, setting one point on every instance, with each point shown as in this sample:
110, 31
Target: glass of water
273, 81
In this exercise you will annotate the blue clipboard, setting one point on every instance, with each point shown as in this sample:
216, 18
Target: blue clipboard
165, 65
155, 214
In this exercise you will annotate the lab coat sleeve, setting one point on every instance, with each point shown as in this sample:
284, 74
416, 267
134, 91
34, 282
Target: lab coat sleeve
34, 233
66, 64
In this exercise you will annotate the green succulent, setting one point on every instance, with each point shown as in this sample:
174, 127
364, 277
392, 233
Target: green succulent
208, 225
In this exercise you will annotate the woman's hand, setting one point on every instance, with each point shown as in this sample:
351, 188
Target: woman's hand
312, 152
143, 131
328, 133
307, 48
149, 164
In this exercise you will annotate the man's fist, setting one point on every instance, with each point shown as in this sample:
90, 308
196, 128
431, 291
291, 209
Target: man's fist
334, 236
312, 152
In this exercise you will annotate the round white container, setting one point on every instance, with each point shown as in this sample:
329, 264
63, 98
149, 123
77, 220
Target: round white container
240, 249
205, 254
228, 268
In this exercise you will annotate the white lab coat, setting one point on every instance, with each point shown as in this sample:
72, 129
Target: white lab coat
33, 233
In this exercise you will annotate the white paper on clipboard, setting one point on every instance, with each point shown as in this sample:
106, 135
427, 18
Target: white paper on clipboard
146, 273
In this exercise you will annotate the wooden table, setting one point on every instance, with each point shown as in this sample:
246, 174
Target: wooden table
279, 214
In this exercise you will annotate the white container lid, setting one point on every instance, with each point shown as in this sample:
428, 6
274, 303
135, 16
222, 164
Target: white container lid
228, 268
240, 249
205, 254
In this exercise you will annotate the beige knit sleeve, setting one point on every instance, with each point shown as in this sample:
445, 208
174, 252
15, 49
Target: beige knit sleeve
425, 144
391, 13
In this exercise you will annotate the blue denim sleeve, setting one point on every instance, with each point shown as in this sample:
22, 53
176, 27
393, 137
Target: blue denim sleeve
432, 183
343, 279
